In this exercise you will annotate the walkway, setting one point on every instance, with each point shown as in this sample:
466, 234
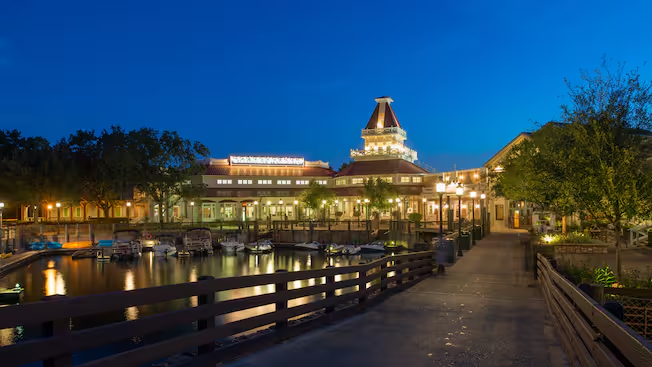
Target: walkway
481, 313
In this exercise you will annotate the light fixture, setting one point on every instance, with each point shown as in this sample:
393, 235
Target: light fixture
280, 202
337, 201
192, 203
49, 206
2, 205
58, 205
390, 200
128, 203
473, 194
441, 187
323, 202
255, 202
459, 190
269, 203
424, 200
296, 202
359, 201
398, 200
483, 196
366, 200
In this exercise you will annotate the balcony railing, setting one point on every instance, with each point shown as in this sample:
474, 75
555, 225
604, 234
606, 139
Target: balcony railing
383, 131
407, 154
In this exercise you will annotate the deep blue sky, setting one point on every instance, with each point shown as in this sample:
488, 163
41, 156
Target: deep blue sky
299, 77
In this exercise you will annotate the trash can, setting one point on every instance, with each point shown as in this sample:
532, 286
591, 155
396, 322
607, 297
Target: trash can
477, 232
465, 241
446, 251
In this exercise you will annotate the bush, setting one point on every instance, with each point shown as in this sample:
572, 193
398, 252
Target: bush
415, 217
572, 237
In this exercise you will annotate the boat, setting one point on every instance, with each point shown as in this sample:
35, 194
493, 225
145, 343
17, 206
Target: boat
198, 241
11, 295
37, 246
149, 242
375, 246
232, 246
260, 247
351, 250
53, 245
334, 249
165, 246
314, 245
126, 244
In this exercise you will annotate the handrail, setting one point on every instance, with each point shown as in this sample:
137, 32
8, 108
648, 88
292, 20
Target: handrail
590, 335
384, 275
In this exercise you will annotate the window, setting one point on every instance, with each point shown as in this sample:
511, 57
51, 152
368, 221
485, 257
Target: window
244, 182
78, 212
264, 182
417, 179
224, 182
264, 193
117, 211
388, 179
405, 179
340, 181
283, 182
65, 212
303, 182
357, 180
500, 212
322, 182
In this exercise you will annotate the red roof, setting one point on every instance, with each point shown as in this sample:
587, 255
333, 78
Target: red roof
390, 117
268, 171
381, 167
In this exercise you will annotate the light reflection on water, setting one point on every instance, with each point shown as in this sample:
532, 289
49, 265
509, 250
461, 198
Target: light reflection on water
64, 276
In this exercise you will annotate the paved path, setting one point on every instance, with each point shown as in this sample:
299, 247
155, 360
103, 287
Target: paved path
481, 313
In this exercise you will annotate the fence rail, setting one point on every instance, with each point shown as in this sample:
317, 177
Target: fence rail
55, 348
590, 335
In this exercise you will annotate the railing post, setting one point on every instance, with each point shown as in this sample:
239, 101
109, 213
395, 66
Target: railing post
595, 291
330, 279
399, 281
281, 305
383, 266
362, 288
208, 323
54, 329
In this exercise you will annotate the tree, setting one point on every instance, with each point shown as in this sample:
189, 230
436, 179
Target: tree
164, 164
345, 165
313, 197
378, 191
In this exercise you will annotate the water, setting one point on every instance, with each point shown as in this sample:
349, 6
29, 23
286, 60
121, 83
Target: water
64, 276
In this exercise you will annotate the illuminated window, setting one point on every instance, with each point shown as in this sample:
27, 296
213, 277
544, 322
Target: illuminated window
117, 211
283, 182
388, 179
224, 182
340, 181
322, 182
244, 182
302, 182
357, 180
264, 182
78, 212
417, 179
405, 179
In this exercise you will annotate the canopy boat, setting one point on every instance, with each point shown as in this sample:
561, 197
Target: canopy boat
127, 243
165, 246
37, 246
53, 245
314, 245
199, 241
232, 246
334, 249
375, 246
351, 250
260, 247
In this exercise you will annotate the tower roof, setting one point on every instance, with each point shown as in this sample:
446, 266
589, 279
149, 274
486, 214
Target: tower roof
383, 115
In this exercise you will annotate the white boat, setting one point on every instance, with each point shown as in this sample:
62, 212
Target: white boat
199, 241
259, 247
232, 246
334, 249
126, 244
351, 250
314, 245
376, 246
165, 246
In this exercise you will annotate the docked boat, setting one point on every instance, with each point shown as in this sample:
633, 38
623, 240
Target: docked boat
232, 246
126, 244
260, 247
165, 246
351, 250
11, 295
375, 246
314, 245
334, 249
198, 241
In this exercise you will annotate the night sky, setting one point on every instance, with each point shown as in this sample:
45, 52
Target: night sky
298, 77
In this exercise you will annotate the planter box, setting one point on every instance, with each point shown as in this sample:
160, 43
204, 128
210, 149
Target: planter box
580, 248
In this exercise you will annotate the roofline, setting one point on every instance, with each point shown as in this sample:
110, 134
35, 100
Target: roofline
506, 147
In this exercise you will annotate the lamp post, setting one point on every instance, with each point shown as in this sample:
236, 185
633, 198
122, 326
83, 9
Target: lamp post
366, 209
128, 207
323, 210
359, 211
441, 189
58, 205
256, 210
49, 209
425, 216
459, 191
482, 210
192, 213
296, 210
2, 231
280, 203
398, 209
473, 195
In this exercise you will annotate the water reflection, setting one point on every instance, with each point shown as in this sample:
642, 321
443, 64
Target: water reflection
62, 275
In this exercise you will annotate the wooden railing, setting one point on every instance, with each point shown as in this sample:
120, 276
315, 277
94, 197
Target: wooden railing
590, 335
368, 283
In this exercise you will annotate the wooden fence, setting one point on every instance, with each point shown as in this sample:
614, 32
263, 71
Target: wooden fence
378, 278
590, 335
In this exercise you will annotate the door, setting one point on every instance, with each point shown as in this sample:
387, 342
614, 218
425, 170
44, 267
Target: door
500, 212
517, 217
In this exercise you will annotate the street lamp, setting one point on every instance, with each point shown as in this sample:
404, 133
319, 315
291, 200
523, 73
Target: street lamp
192, 213
366, 209
323, 210
424, 200
280, 203
128, 207
482, 212
49, 208
256, 209
58, 205
296, 210
459, 191
473, 196
2, 232
441, 189
359, 211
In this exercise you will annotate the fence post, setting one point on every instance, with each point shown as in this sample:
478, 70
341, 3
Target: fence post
208, 323
330, 279
595, 291
399, 281
383, 266
54, 329
281, 305
362, 288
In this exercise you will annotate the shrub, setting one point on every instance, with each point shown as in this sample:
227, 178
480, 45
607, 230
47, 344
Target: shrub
414, 217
